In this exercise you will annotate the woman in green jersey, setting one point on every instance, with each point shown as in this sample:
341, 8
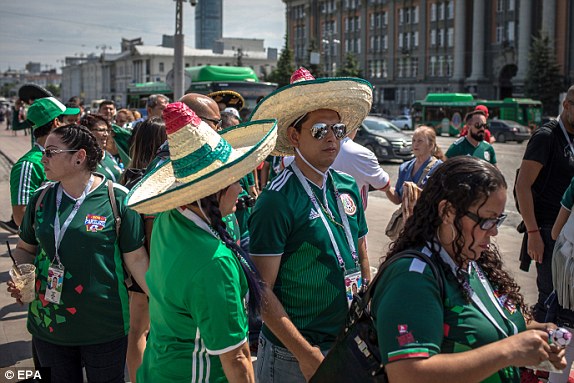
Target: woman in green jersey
70, 235
199, 278
480, 329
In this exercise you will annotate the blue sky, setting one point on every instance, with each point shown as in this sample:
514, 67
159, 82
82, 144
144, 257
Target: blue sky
47, 31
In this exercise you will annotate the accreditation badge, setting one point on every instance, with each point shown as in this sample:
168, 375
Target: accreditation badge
54, 284
353, 282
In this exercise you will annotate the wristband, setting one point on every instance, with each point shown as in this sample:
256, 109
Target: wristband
532, 231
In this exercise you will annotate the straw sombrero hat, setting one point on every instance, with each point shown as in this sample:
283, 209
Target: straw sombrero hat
230, 98
348, 96
202, 162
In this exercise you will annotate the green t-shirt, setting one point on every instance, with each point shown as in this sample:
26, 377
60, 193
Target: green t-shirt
197, 303
26, 176
275, 163
109, 167
310, 284
94, 301
568, 198
413, 322
462, 147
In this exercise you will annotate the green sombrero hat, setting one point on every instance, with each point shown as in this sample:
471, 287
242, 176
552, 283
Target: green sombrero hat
350, 97
201, 162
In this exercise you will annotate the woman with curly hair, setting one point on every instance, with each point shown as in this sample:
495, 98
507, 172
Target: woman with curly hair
479, 329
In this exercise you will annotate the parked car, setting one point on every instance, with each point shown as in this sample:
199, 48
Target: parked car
384, 139
506, 130
403, 122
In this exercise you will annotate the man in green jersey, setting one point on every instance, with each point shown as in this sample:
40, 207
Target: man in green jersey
27, 174
308, 226
473, 143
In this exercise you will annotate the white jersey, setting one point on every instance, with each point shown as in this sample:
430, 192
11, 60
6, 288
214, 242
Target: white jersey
362, 164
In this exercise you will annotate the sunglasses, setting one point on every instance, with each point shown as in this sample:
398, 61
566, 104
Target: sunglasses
486, 223
481, 126
49, 153
320, 130
217, 123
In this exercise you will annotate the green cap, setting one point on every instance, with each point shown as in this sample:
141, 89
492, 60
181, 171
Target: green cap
71, 111
44, 110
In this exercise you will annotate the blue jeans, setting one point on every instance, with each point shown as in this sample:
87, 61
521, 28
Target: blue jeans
104, 362
276, 364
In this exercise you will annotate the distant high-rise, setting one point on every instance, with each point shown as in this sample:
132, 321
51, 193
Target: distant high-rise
208, 23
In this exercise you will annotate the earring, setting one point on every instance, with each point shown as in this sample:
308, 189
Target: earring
453, 232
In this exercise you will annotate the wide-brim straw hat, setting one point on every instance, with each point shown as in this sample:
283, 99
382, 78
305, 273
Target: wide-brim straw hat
202, 162
230, 98
350, 97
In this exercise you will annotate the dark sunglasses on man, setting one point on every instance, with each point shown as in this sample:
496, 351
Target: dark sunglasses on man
320, 130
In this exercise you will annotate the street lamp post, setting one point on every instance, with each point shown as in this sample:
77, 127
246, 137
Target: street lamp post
178, 47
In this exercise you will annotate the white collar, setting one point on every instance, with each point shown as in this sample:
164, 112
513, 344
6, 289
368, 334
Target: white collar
190, 214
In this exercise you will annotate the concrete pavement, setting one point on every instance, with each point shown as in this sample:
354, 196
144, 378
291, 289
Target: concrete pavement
15, 341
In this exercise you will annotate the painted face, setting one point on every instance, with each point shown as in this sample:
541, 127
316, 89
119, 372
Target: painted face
228, 199
321, 153
477, 238
58, 160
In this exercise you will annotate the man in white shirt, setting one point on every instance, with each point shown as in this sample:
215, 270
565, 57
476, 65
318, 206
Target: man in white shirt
362, 164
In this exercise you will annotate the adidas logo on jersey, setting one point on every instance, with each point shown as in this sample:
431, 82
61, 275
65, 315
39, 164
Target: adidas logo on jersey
313, 214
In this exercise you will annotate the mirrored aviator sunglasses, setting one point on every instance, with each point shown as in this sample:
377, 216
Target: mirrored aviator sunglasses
320, 130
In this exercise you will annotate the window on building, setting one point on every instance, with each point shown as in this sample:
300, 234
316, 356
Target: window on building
450, 10
416, 14
385, 42
372, 18
346, 24
385, 18
440, 11
161, 68
384, 69
401, 16
378, 69
407, 64
439, 38
371, 68
400, 40
440, 66
433, 37
415, 66
499, 34
510, 30
450, 37
433, 12
416, 39
372, 43
407, 15
433, 66
449, 64
358, 23
358, 45
499, 6
511, 5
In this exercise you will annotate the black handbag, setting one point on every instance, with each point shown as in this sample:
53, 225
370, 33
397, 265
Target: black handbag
355, 355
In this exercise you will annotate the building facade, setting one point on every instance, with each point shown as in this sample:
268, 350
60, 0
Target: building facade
408, 48
208, 23
108, 75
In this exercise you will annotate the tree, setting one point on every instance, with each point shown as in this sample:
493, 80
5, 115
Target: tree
350, 68
544, 81
285, 68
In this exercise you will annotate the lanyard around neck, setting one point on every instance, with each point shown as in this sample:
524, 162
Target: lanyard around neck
475, 298
568, 140
346, 225
59, 232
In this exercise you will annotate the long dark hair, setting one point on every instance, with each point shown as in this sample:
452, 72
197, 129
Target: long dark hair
463, 182
210, 206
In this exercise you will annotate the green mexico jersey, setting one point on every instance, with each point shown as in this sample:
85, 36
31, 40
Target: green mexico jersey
26, 176
412, 321
310, 283
109, 167
197, 303
462, 147
94, 301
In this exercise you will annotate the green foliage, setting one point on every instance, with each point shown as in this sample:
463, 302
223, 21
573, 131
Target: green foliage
285, 68
54, 89
350, 68
544, 81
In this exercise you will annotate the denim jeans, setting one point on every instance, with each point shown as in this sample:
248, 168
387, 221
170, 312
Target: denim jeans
544, 274
104, 362
276, 364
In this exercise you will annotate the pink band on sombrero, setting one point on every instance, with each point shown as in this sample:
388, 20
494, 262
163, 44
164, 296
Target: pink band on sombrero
177, 115
301, 74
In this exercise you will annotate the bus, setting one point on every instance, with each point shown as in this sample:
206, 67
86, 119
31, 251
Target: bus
445, 111
204, 80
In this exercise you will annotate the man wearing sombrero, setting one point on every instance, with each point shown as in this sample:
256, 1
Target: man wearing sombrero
308, 226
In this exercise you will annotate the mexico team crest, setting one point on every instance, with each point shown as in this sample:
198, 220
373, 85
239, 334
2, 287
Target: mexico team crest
95, 223
348, 204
